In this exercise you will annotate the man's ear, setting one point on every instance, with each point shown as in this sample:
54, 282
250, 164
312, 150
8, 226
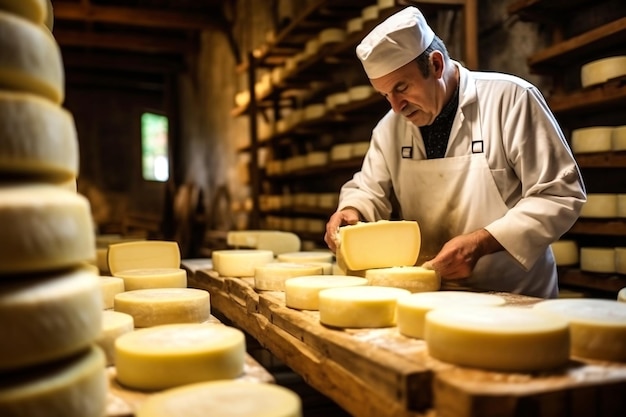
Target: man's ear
437, 63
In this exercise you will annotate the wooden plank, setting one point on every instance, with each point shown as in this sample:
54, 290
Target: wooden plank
147, 43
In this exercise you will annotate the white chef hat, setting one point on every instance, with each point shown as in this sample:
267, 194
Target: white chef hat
395, 42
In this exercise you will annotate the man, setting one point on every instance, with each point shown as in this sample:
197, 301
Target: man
477, 159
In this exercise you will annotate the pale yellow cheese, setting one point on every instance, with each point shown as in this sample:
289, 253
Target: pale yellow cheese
141, 278
114, 324
143, 254
510, 339
48, 317
73, 387
316, 159
600, 260
354, 25
30, 58
234, 398
621, 295
171, 355
359, 149
306, 256
331, 35
43, 228
272, 277
276, 241
565, 252
49, 20
602, 70
110, 287
240, 262
597, 326
592, 139
620, 260
412, 278
156, 306
302, 293
359, 306
369, 13
621, 205
411, 310
379, 244
341, 151
360, 92
600, 206
33, 10
618, 138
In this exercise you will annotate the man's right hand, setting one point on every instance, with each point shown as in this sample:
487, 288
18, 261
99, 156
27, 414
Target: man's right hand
339, 218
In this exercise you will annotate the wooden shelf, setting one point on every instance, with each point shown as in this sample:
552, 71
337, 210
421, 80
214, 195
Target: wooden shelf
605, 227
608, 96
611, 283
543, 10
333, 166
602, 160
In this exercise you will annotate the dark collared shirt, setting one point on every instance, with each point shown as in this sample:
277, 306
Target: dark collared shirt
437, 134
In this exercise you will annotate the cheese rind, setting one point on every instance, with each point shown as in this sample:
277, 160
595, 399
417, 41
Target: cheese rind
110, 287
602, 70
302, 293
621, 295
158, 306
509, 339
565, 252
600, 206
224, 399
306, 257
143, 254
240, 262
142, 278
600, 260
412, 278
272, 277
597, 326
167, 356
620, 260
33, 10
114, 324
592, 139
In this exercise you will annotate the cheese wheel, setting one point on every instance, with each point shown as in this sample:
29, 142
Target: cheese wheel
314, 111
43, 228
223, 399
337, 99
597, 326
359, 306
565, 252
592, 139
359, 149
143, 254
369, 13
276, 241
412, 278
302, 293
621, 205
48, 317
331, 35
385, 4
327, 267
272, 277
505, 339
600, 206
602, 70
618, 138
33, 10
600, 260
316, 159
306, 257
110, 287
621, 295
379, 244
138, 279
240, 262
328, 200
360, 92
620, 260
114, 324
73, 387
30, 59
341, 152
171, 355
411, 310
156, 306
354, 25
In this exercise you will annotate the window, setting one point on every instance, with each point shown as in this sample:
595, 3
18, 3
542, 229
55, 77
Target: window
154, 155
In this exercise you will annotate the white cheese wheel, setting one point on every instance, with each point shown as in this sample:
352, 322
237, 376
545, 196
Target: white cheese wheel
412, 278
618, 138
509, 339
302, 293
565, 252
379, 244
73, 387
341, 152
621, 205
306, 257
620, 260
156, 306
354, 25
602, 70
369, 13
360, 92
33, 10
359, 306
411, 310
138, 279
172, 355
331, 35
597, 326
223, 399
621, 295
44, 227
326, 267
110, 287
240, 262
272, 277
48, 317
276, 241
592, 139
143, 254
600, 260
30, 58
114, 324
600, 206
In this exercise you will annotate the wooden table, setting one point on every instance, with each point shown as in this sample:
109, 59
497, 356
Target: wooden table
379, 372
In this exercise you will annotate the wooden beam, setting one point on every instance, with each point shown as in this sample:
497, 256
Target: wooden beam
108, 81
126, 42
119, 61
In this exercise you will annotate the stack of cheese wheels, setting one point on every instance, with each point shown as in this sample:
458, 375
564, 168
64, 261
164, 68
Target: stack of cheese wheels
597, 326
50, 304
302, 293
412, 278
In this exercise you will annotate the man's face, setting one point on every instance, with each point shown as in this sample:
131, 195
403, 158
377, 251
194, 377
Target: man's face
410, 94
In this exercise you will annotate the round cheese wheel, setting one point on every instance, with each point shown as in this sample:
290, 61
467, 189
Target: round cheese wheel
341, 152
331, 35
316, 159
621, 205
360, 92
48, 317
272, 277
620, 260
592, 139
44, 227
337, 99
223, 399
73, 387
621, 295
565, 252
412, 278
600, 206
156, 306
110, 287
359, 306
30, 58
171, 355
597, 326
600, 260
240, 262
114, 324
142, 278
505, 339
302, 292
314, 111
359, 149
354, 25
139, 254
411, 310
386, 4
369, 13
306, 257
33, 10
618, 138
602, 70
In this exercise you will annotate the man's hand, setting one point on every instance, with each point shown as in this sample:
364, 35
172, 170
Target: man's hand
339, 218
458, 257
